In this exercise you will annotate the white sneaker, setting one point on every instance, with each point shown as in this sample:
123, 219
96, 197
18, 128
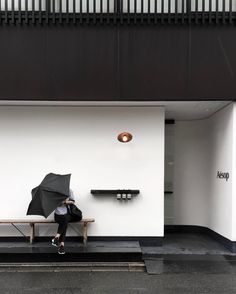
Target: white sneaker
55, 242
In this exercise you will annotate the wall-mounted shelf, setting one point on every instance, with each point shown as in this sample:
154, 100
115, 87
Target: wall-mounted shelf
121, 194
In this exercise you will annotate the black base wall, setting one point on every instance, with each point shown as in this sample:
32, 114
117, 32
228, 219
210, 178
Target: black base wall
143, 241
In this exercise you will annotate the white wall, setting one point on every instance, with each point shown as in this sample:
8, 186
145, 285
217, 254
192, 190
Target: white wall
191, 173
169, 170
201, 149
37, 140
233, 177
221, 158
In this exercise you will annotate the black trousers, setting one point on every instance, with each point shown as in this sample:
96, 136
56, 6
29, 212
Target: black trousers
62, 221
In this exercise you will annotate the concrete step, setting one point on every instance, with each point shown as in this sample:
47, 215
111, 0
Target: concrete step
73, 267
93, 252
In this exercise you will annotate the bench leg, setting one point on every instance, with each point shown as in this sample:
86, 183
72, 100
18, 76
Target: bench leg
32, 232
85, 237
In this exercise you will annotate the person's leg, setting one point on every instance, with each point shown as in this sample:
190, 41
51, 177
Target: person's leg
66, 220
60, 219
61, 249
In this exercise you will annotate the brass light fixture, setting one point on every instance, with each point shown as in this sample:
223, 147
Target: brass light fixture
124, 137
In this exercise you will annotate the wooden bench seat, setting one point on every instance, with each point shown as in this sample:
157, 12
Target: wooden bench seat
32, 223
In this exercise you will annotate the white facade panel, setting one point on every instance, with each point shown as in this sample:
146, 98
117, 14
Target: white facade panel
37, 140
202, 149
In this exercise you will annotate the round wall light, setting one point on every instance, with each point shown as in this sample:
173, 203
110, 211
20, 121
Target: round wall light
125, 137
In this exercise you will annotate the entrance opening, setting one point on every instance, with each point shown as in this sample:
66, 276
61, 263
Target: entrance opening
197, 202
169, 173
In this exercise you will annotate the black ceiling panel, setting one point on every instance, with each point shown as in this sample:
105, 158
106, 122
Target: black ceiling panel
81, 63
23, 66
122, 62
154, 62
213, 63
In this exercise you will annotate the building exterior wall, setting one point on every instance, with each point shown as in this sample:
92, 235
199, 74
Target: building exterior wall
138, 7
139, 63
191, 173
221, 158
83, 141
202, 149
233, 208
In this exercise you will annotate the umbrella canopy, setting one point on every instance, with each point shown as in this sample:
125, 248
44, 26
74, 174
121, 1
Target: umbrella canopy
49, 194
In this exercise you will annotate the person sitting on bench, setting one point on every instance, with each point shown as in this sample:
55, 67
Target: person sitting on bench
62, 217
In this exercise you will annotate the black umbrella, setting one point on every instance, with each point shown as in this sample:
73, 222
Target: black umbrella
49, 194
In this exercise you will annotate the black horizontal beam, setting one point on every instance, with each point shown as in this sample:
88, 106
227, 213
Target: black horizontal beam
45, 17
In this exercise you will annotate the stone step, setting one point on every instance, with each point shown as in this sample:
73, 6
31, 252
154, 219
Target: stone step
73, 267
93, 252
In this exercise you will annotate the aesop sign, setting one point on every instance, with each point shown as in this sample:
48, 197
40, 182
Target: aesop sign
221, 175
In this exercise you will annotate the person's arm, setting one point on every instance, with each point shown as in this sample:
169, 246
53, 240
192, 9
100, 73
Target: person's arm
69, 201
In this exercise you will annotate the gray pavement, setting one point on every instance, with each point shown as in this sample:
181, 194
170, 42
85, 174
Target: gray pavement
116, 283
188, 243
185, 264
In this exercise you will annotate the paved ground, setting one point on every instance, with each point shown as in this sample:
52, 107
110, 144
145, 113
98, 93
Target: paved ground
116, 283
186, 264
188, 243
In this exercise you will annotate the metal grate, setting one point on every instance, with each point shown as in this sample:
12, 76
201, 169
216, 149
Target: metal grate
117, 11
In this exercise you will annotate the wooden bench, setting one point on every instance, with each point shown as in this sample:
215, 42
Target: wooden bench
32, 223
